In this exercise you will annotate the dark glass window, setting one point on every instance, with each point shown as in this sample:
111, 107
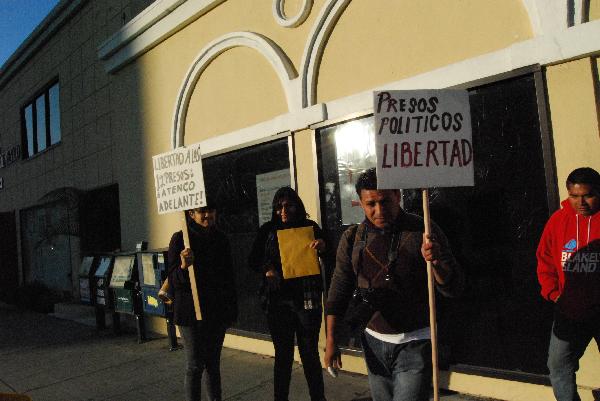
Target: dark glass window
41, 121
100, 220
241, 184
40, 114
53, 96
501, 322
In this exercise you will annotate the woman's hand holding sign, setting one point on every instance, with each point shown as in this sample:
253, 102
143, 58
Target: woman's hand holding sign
187, 258
317, 244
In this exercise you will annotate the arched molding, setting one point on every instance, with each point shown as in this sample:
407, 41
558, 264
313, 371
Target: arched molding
547, 18
266, 47
313, 52
550, 17
553, 16
291, 22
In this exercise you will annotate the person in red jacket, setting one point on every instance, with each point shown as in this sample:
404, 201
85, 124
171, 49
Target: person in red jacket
569, 273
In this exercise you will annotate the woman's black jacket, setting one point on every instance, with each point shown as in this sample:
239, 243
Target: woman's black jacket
214, 277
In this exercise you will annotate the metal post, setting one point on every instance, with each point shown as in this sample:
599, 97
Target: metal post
116, 318
173, 345
141, 328
100, 317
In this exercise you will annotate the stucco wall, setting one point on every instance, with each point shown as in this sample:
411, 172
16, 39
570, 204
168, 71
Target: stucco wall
243, 96
594, 10
378, 41
574, 112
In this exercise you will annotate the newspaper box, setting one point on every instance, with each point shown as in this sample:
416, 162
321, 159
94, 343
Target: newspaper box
101, 281
124, 284
153, 272
86, 273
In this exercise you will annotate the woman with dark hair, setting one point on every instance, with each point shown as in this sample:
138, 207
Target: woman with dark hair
293, 306
210, 254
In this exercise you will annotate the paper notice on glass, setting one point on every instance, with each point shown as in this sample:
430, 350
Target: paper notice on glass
148, 269
297, 258
266, 186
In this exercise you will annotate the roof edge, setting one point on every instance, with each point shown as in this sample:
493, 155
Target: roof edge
45, 30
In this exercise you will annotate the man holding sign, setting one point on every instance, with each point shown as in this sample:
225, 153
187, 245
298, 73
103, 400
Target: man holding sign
423, 140
380, 271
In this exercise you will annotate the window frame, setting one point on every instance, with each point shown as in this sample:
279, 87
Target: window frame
252, 324
32, 102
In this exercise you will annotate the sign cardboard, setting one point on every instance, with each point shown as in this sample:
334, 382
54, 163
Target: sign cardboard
423, 139
297, 258
178, 179
179, 184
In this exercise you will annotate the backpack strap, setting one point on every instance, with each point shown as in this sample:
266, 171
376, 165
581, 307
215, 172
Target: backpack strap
393, 251
360, 242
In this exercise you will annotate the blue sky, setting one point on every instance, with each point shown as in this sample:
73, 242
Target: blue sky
18, 18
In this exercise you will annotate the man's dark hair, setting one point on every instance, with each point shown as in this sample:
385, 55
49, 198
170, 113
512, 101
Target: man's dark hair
366, 180
585, 175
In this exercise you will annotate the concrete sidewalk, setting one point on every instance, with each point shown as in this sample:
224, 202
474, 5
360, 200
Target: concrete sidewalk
54, 359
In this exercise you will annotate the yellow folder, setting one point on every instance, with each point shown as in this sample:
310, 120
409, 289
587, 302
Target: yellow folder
297, 259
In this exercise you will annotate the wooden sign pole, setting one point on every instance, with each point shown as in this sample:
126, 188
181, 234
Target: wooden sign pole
432, 318
191, 270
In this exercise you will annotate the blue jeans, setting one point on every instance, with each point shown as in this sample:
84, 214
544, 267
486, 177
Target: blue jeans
398, 372
564, 353
203, 344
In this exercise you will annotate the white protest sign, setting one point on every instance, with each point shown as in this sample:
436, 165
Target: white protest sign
423, 139
178, 179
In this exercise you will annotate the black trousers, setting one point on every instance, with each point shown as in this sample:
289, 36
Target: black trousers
203, 344
284, 323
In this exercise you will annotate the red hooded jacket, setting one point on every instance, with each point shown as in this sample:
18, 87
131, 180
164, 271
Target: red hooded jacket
569, 262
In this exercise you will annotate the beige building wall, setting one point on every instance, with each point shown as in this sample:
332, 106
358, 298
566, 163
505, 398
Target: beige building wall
594, 12
376, 42
573, 100
228, 97
306, 171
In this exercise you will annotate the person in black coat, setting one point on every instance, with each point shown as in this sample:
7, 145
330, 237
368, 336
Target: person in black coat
210, 254
293, 306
